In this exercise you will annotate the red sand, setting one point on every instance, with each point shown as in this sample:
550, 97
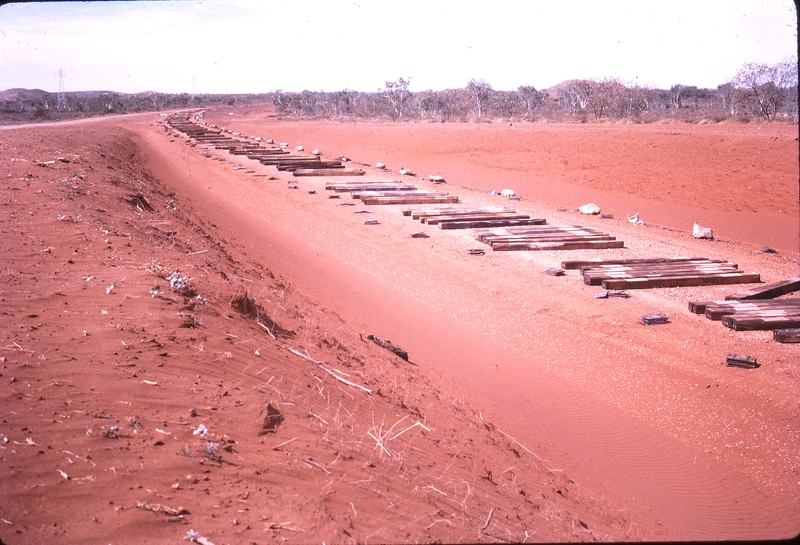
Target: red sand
548, 415
740, 179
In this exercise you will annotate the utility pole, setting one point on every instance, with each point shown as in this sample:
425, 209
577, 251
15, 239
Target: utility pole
62, 98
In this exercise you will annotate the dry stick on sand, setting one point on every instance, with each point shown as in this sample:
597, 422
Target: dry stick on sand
521, 445
383, 436
267, 330
489, 518
305, 357
379, 443
313, 463
340, 379
276, 447
414, 425
321, 365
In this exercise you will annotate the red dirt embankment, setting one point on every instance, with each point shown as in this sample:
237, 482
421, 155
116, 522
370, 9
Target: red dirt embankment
543, 414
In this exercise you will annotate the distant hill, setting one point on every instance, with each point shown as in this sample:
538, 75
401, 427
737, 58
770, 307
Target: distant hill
13, 94
34, 105
553, 91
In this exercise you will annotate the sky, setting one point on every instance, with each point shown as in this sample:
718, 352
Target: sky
242, 46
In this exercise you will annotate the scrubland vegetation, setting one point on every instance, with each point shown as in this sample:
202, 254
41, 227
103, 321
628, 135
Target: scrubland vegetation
757, 92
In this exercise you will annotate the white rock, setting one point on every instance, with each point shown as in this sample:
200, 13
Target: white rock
380, 166
507, 192
299, 148
316, 152
702, 232
436, 179
591, 209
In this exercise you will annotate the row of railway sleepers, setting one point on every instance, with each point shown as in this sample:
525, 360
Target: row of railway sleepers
203, 135
199, 137
182, 123
520, 232
238, 147
368, 194
292, 163
328, 171
546, 237
369, 185
408, 197
217, 138
450, 217
270, 156
758, 309
193, 131
624, 274
300, 165
258, 152
384, 192
375, 192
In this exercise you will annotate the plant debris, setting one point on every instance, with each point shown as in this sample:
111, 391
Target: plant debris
272, 420
389, 346
162, 509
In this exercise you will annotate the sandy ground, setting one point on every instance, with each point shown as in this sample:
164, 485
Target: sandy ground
529, 411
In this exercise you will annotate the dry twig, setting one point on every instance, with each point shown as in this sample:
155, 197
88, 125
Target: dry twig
488, 519
276, 447
313, 463
521, 445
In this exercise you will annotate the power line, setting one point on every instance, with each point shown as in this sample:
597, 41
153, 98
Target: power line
62, 98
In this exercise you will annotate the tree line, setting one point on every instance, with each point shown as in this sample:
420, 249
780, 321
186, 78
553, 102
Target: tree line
25, 105
757, 92
764, 92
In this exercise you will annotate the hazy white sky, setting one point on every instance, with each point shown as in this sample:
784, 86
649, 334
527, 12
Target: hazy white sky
246, 46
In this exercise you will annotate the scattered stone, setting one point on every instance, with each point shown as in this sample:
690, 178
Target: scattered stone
589, 209
605, 294
702, 232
